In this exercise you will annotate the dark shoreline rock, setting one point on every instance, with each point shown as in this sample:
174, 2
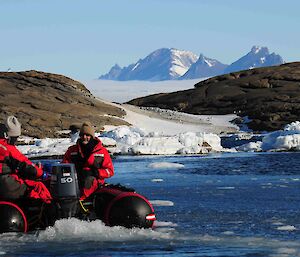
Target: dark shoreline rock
269, 96
47, 103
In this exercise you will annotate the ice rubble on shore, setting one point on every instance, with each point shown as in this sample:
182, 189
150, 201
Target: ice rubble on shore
287, 139
126, 140
131, 140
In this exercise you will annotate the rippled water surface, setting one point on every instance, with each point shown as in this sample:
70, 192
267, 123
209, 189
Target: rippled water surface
215, 205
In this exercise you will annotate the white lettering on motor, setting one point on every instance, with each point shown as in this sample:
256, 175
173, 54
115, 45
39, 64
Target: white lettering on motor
66, 180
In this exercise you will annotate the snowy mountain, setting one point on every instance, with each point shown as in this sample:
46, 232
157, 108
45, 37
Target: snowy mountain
204, 67
162, 64
257, 57
170, 64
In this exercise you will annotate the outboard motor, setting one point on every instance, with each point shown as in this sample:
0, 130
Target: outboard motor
65, 190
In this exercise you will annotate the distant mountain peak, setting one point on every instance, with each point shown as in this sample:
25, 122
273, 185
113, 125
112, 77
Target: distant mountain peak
204, 67
171, 63
161, 64
116, 66
202, 58
257, 57
259, 50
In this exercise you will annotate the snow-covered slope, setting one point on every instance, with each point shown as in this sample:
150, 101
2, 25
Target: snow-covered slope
257, 57
162, 64
204, 67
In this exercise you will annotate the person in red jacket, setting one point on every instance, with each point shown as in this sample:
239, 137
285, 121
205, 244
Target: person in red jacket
17, 172
91, 159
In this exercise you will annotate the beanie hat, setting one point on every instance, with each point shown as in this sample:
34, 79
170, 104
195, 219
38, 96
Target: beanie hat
13, 126
87, 128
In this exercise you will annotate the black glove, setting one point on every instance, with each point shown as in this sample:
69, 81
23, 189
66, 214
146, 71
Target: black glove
12, 163
98, 162
24, 170
27, 171
89, 182
6, 169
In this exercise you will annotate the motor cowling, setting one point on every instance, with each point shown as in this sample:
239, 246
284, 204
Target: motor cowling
65, 190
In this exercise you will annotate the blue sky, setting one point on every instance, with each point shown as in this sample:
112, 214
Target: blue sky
83, 39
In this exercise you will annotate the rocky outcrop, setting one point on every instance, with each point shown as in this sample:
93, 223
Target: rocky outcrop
48, 103
269, 96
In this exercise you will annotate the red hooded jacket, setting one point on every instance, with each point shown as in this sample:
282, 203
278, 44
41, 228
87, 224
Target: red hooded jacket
12, 161
15, 165
98, 163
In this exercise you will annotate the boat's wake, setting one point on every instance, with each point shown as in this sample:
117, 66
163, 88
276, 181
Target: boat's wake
97, 231
70, 233
72, 228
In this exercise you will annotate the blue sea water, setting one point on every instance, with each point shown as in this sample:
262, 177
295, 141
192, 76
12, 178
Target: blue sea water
229, 204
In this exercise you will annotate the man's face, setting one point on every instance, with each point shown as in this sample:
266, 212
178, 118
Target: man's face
85, 138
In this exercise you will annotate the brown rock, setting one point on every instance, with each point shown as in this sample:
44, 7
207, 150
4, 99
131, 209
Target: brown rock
48, 103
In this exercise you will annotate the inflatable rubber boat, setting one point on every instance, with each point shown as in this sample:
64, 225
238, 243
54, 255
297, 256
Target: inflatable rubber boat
115, 205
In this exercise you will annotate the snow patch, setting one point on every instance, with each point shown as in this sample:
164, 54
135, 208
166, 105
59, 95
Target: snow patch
208, 63
135, 66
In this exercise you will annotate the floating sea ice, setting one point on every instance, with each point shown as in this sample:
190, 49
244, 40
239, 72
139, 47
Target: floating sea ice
157, 180
161, 203
287, 228
165, 224
226, 188
267, 184
165, 165
228, 233
285, 251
